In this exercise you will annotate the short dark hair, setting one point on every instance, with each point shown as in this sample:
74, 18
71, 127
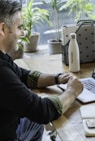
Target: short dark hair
8, 8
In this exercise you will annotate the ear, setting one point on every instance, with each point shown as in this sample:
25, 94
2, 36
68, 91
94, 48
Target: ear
1, 29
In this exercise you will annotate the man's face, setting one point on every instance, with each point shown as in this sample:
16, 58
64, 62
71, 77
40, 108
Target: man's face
12, 34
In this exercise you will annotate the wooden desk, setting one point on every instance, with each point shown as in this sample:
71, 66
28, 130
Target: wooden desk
69, 126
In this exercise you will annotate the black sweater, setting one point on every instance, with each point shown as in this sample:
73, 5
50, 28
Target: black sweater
18, 101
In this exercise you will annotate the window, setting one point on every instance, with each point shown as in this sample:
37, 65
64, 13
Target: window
47, 32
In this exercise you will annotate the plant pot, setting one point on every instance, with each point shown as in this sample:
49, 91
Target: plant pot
54, 46
32, 46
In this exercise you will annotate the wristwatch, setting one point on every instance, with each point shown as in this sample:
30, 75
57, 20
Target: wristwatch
56, 78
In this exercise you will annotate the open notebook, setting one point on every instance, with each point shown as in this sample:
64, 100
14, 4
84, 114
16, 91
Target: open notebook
88, 93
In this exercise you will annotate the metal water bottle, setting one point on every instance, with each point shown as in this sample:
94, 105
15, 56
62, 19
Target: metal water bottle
73, 54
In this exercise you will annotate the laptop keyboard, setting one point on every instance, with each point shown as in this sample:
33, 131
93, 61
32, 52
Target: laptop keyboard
89, 84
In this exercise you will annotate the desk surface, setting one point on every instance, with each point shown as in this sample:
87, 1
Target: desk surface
69, 126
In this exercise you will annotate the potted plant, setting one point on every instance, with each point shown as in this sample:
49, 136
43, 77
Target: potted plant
80, 9
31, 16
55, 44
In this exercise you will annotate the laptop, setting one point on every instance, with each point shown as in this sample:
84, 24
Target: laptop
88, 93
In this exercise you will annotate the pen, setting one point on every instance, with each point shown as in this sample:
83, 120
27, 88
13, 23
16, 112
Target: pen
93, 74
61, 88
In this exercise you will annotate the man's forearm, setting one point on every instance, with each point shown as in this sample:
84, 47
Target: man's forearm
64, 101
67, 98
74, 88
46, 80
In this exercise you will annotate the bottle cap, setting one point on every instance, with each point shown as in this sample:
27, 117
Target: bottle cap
72, 35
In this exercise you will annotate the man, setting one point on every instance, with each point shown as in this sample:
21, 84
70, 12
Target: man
22, 112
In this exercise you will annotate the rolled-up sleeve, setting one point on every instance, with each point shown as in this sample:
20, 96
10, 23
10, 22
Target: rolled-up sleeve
57, 103
32, 79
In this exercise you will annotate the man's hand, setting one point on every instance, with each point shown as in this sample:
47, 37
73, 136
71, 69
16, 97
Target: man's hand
75, 85
65, 77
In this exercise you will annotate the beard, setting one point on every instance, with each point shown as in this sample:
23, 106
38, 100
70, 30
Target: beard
15, 46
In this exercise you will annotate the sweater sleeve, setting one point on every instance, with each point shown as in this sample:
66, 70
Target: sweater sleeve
32, 79
57, 103
16, 98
